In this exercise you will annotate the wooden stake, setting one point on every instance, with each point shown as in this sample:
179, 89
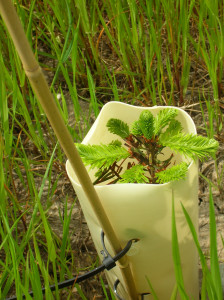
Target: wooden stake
41, 89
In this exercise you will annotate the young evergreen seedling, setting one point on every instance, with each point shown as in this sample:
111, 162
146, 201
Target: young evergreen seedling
143, 145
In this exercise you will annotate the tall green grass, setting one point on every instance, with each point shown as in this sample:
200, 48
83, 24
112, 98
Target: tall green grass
211, 281
144, 53
211, 277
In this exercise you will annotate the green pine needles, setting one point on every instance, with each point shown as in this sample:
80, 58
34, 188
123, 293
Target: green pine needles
143, 145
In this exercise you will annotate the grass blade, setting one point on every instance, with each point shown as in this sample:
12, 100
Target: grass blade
176, 257
215, 270
152, 291
206, 274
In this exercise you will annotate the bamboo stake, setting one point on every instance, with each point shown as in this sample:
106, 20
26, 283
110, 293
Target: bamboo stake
41, 89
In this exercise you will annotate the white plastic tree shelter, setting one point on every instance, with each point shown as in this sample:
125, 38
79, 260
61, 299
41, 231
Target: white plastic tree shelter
41, 89
144, 211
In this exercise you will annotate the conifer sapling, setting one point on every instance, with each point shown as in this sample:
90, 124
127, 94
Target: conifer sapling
143, 145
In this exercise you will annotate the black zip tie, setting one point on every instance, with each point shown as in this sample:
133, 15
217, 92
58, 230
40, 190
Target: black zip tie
119, 297
110, 262
115, 289
107, 263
